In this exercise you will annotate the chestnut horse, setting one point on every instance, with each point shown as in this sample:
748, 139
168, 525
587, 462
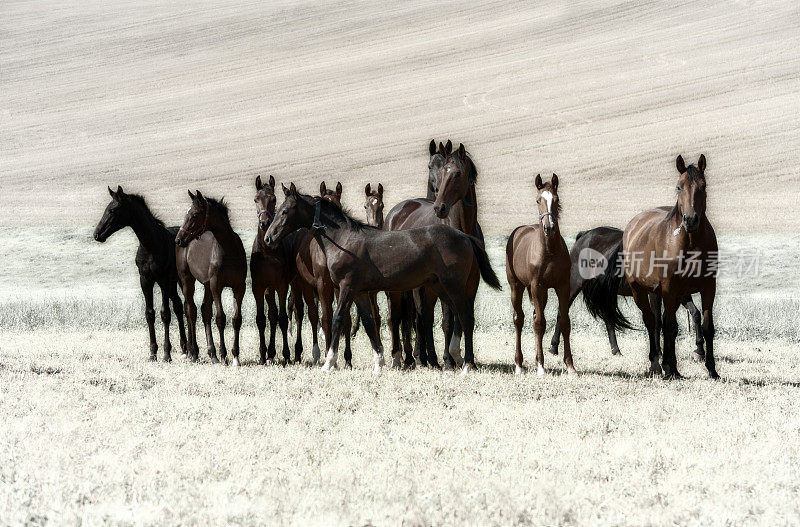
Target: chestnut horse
604, 241
155, 260
672, 252
455, 205
274, 271
212, 253
362, 259
537, 260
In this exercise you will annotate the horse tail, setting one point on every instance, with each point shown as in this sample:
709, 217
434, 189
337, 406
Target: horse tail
601, 293
485, 266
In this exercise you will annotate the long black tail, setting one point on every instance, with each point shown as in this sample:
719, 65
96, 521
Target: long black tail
601, 293
487, 273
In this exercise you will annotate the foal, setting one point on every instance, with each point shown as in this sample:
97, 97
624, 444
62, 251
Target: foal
274, 271
537, 260
155, 259
212, 253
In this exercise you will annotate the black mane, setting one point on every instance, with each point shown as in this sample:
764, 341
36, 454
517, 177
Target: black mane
139, 200
335, 214
220, 206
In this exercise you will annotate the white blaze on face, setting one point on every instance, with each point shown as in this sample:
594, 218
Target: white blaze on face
548, 197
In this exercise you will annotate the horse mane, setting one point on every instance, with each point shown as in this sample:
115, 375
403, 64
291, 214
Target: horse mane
694, 176
473, 170
139, 200
340, 214
220, 206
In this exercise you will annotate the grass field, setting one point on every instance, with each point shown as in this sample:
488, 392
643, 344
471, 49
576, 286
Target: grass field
164, 96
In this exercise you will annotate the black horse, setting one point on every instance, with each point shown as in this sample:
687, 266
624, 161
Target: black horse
605, 240
155, 260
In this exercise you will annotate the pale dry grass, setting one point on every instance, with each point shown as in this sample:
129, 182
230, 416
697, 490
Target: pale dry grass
93, 433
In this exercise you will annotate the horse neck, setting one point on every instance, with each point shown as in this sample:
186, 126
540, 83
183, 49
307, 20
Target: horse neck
149, 231
223, 232
335, 235
431, 194
465, 211
550, 243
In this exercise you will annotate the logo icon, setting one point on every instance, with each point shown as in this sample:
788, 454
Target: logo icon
591, 263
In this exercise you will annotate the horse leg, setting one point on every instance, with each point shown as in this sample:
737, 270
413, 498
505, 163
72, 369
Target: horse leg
699, 353
238, 295
298, 312
220, 319
669, 360
261, 319
574, 290
364, 305
452, 338
313, 319
406, 325
417, 300
643, 303
425, 330
272, 314
149, 314
177, 307
655, 305
342, 309
394, 303
707, 302
191, 317
565, 325
347, 326
165, 320
465, 309
205, 311
325, 293
517, 290
539, 297
283, 322
612, 339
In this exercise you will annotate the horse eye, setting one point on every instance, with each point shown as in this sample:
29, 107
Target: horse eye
678, 188
285, 212
538, 200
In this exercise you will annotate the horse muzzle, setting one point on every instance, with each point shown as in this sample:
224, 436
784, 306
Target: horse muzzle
441, 211
691, 222
271, 241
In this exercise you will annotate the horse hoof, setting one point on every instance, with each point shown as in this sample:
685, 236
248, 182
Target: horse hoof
671, 376
235, 362
397, 361
655, 370
466, 369
518, 370
699, 356
616, 351
712, 374
376, 370
329, 366
153, 357
571, 371
539, 370
214, 359
410, 366
554, 351
167, 358
348, 365
448, 367
269, 362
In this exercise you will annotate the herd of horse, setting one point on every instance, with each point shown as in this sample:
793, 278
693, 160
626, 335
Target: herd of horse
311, 254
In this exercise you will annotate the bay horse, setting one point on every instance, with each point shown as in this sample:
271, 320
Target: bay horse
210, 252
363, 259
604, 241
312, 268
537, 260
671, 252
273, 272
455, 205
155, 259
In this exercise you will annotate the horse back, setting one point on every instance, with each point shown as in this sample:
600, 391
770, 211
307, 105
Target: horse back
405, 215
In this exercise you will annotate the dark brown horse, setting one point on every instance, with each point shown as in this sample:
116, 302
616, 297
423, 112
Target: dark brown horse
273, 272
455, 205
210, 252
600, 243
537, 260
312, 268
362, 259
671, 252
155, 259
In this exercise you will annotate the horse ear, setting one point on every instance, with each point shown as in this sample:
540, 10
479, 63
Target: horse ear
191, 196
339, 188
323, 189
538, 182
432, 148
701, 164
462, 152
442, 150
200, 197
272, 181
680, 165
111, 193
448, 147
285, 190
293, 189
258, 182
554, 182
368, 190
380, 190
